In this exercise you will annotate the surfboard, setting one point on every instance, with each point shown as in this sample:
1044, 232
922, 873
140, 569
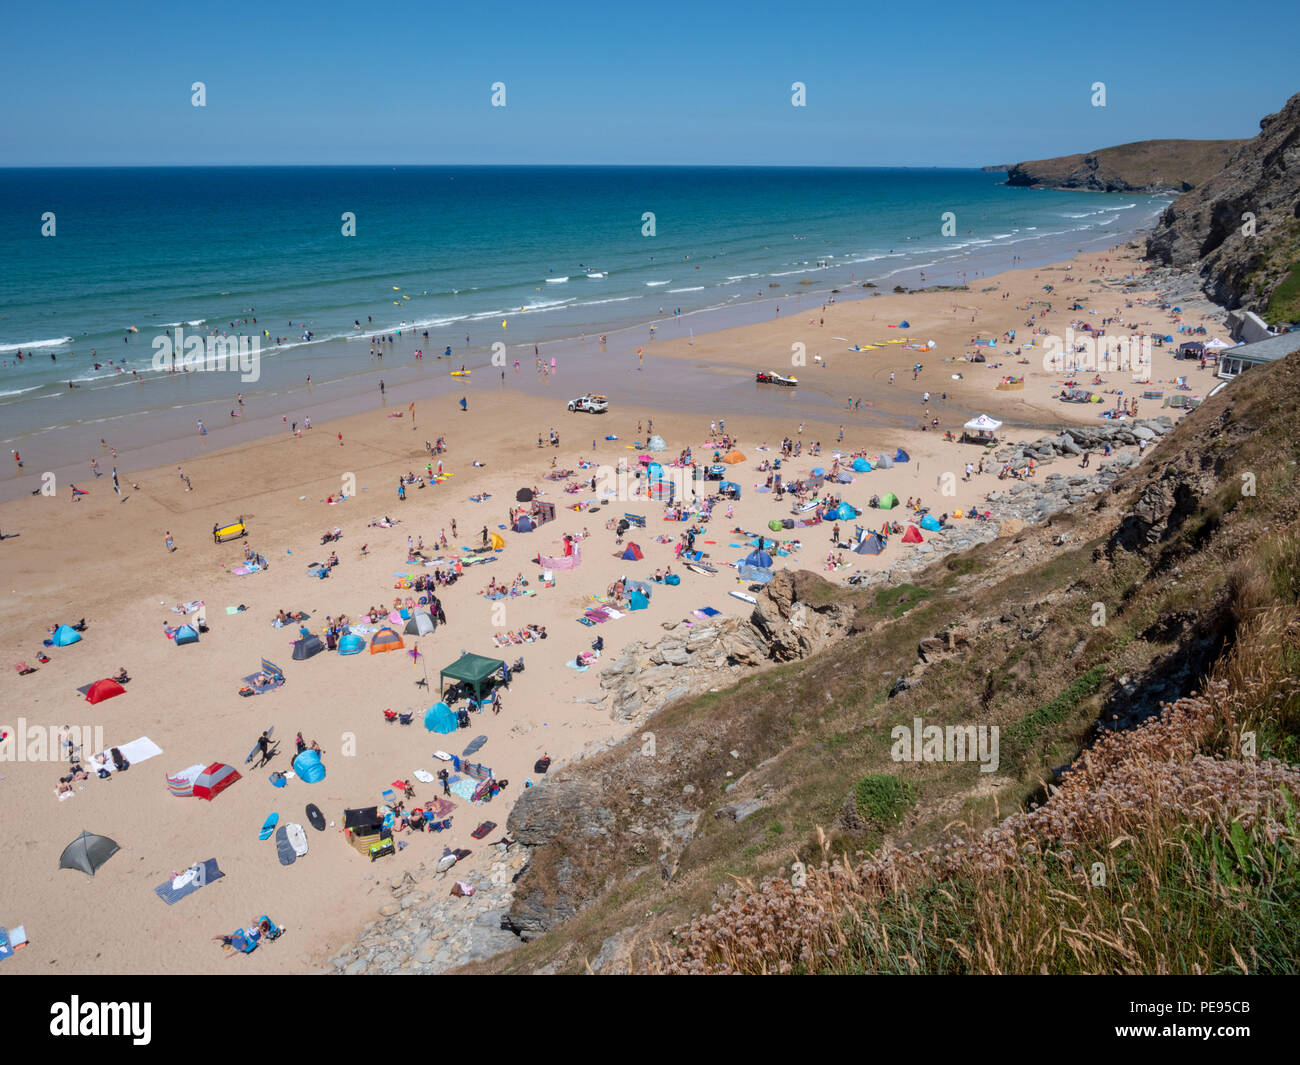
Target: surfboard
461, 373
315, 818
744, 595
268, 826
708, 571
257, 747
283, 848
297, 839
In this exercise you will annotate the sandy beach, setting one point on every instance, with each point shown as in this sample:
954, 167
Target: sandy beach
105, 559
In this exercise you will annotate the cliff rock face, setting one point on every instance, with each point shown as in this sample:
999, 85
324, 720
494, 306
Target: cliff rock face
1203, 230
1149, 167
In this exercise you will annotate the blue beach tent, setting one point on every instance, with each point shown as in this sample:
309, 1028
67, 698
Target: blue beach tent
930, 523
439, 718
65, 635
309, 768
351, 644
186, 634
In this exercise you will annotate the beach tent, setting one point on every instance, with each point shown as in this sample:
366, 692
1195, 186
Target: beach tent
420, 625
730, 488
902, 456
306, 647
182, 784
760, 558
819, 471
654, 469
637, 601
65, 635
185, 634
861, 465
904, 325
215, 779
884, 462
523, 524
384, 640
732, 457
631, 553
983, 424
474, 670
104, 689
845, 512
912, 535
753, 574
656, 443
639, 586
87, 852
497, 541
870, 545
351, 644
930, 523
888, 501
309, 768
440, 718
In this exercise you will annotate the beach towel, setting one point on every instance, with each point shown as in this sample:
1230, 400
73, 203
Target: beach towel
483, 829
706, 612
170, 895
439, 808
573, 664
140, 750
464, 789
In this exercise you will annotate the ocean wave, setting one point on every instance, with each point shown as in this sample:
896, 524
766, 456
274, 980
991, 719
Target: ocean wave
33, 344
692, 288
556, 280
656, 284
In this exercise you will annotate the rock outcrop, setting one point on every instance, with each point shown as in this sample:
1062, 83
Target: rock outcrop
1240, 230
1149, 167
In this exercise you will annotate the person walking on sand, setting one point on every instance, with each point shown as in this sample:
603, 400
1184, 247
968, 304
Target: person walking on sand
17, 458
454, 534
94, 468
340, 439
170, 545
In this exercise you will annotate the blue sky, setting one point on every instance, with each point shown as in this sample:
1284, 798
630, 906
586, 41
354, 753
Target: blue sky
944, 83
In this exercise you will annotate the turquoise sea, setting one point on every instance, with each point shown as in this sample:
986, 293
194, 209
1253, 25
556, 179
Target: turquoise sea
553, 252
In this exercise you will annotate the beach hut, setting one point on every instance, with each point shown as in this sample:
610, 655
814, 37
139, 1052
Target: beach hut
309, 767
185, 634
475, 670
870, 545
439, 718
87, 852
631, 553
930, 523
888, 501
912, 535
420, 625
385, 640
306, 647
213, 780
351, 644
65, 636
104, 689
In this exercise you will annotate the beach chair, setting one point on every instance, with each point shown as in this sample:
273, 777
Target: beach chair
405, 719
390, 716
273, 932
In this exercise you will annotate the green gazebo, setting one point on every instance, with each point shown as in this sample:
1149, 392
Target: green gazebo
474, 670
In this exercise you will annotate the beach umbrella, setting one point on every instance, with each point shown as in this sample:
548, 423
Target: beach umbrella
524, 495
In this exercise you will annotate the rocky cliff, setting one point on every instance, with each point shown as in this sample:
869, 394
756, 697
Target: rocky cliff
1151, 167
1240, 230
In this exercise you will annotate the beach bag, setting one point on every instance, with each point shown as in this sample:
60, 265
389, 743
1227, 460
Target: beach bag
672, 578
788, 523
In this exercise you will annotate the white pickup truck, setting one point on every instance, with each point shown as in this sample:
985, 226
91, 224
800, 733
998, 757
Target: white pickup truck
589, 403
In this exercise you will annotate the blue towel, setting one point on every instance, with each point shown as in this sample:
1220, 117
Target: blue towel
210, 873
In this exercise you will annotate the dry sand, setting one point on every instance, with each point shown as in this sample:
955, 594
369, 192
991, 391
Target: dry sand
105, 560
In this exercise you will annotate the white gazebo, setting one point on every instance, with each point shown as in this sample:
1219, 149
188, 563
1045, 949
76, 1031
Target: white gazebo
983, 427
